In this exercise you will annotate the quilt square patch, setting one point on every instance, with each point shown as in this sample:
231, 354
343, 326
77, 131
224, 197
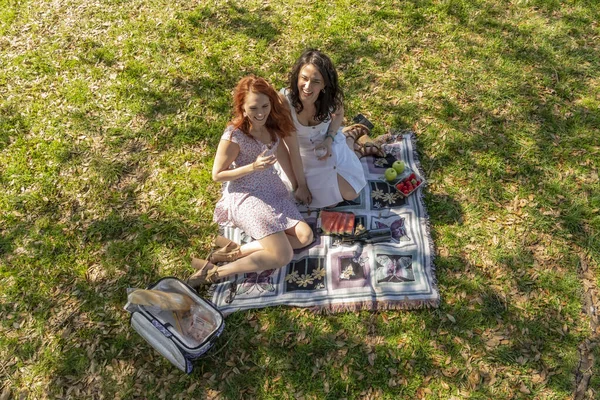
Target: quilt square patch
393, 268
350, 269
306, 274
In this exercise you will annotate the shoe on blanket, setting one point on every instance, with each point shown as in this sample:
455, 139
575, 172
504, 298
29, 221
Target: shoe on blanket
206, 273
226, 250
365, 146
355, 131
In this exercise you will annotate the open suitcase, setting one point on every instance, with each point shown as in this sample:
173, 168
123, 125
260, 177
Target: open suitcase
176, 334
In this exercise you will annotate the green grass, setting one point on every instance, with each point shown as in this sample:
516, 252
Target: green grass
109, 116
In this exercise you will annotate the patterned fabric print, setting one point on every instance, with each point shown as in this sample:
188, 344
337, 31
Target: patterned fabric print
392, 268
258, 203
398, 229
339, 276
254, 284
379, 164
261, 282
350, 268
306, 274
353, 268
385, 196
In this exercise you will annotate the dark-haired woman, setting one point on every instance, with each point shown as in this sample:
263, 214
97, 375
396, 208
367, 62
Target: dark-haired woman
255, 199
326, 170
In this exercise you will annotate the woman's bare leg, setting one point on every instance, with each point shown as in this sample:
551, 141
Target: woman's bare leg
276, 252
347, 191
300, 235
250, 247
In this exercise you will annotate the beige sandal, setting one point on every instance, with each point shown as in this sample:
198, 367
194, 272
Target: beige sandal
385, 138
355, 131
224, 243
207, 273
220, 256
227, 250
365, 146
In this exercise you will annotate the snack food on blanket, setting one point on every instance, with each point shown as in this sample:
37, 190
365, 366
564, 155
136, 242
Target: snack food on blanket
408, 184
337, 223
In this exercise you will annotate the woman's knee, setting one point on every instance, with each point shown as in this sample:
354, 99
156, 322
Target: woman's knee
346, 190
282, 255
278, 249
350, 195
304, 234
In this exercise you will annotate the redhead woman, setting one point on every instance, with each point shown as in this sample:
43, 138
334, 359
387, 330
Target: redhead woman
254, 199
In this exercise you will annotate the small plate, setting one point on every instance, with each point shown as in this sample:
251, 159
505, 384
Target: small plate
403, 177
407, 171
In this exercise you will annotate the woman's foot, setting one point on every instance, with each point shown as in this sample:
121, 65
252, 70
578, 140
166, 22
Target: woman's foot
206, 272
386, 138
365, 146
226, 250
355, 131
221, 242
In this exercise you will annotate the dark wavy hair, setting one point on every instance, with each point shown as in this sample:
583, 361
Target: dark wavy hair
279, 121
327, 102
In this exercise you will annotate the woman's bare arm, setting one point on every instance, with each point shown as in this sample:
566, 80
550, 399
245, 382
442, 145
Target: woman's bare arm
297, 177
283, 157
227, 152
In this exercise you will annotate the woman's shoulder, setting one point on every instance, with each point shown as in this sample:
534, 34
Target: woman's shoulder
233, 134
285, 93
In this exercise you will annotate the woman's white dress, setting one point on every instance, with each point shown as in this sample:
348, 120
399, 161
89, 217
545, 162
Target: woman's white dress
321, 175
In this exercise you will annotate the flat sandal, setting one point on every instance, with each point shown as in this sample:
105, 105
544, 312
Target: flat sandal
206, 272
223, 243
355, 131
369, 147
219, 255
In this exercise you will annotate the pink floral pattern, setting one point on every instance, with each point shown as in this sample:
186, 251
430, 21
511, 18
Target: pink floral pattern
258, 203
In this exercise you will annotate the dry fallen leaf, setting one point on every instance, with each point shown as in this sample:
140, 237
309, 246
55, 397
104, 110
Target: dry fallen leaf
372, 357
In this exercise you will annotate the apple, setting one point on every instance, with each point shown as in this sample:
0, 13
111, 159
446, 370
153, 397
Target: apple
390, 174
398, 166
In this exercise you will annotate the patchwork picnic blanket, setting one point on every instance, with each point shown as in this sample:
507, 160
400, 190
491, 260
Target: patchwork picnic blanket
335, 276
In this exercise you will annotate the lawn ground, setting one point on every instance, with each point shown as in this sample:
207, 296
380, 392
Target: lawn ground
110, 112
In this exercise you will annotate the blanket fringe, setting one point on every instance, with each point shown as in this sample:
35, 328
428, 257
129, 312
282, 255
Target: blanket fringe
374, 306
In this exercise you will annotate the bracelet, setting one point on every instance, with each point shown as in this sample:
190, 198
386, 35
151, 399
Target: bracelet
330, 136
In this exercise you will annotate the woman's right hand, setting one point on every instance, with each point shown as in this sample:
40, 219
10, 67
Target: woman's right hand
264, 161
303, 195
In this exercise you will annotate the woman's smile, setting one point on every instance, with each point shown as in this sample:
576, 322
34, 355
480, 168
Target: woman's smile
310, 83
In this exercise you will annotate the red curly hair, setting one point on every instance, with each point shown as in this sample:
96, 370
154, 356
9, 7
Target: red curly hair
279, 122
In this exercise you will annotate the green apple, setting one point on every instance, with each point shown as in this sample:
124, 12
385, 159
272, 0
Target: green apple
398, 166
390, 174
